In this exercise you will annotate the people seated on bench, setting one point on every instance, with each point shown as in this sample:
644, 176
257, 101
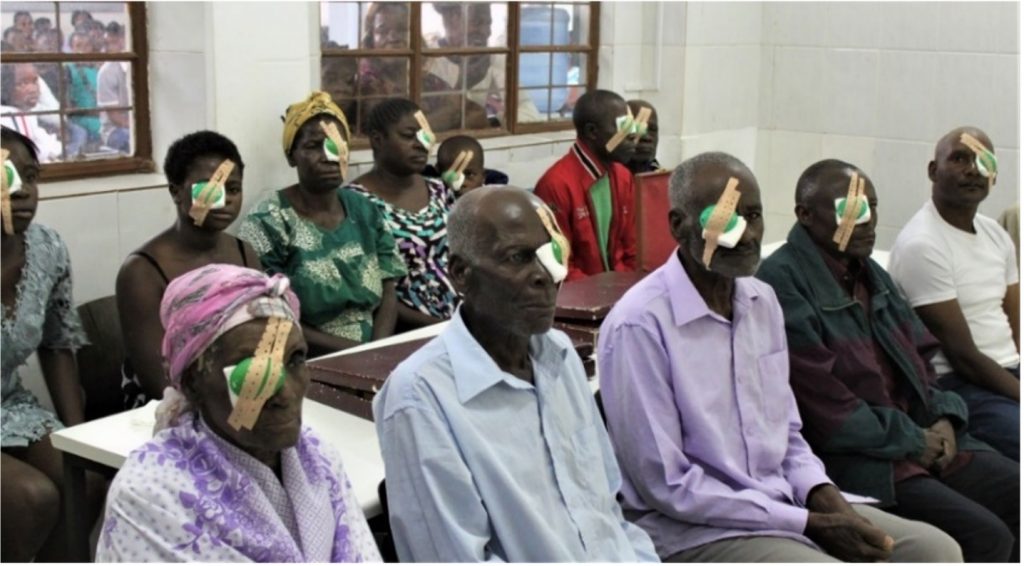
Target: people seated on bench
695, 383
958, 269
230, 474
39, 317
332, 243
185, 245
590, 189
493, 445
415, 209
645, 157
860, 369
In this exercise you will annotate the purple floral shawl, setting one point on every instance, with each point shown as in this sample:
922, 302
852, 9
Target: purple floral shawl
188, 495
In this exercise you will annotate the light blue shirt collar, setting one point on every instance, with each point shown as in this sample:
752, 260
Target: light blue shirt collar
476, 371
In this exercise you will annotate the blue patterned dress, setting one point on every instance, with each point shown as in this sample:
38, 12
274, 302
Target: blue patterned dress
422, 239
43, 315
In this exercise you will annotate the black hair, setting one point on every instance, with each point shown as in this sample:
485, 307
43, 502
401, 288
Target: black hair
75, 14
184, 151
810, 178
21, 13
8, 136
592, 106
115, 28
387, 113
450, 148
40, 23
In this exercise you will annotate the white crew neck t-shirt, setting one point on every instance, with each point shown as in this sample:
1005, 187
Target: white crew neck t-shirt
933, 262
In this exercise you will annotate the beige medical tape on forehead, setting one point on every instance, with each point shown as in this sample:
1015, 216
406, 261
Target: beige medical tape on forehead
5, 197
330, 130
554, 230
853, 195
979, 149
641, 118
201, 204
267, 361
421, 119
724, 209
620, 134
461, 162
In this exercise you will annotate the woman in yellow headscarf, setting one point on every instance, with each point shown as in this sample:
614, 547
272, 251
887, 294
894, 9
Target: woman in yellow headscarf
331, 243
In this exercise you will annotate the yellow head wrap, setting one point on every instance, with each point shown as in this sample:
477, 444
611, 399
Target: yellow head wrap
319, 102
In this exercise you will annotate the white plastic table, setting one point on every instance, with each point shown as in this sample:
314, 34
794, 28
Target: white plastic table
106, 443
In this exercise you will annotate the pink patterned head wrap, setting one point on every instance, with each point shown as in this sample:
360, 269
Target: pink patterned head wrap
201, 305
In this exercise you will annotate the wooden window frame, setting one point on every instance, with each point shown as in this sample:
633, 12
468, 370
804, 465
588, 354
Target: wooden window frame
417, 52
142, 160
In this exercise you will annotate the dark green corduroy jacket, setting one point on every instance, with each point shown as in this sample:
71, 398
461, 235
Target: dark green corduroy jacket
848, 418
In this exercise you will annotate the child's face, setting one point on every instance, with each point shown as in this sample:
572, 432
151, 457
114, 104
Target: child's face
474, 173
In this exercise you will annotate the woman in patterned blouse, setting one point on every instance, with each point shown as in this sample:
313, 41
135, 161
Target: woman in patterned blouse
332, 243
415, 209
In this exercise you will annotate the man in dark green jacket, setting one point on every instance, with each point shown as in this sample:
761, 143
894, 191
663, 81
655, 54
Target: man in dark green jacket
860, 370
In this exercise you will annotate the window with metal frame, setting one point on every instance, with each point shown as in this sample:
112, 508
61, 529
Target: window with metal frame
75, 82
482, 68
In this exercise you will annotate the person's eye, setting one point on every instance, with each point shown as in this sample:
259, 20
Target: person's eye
521, 256
752, 216
234, 189
297, 358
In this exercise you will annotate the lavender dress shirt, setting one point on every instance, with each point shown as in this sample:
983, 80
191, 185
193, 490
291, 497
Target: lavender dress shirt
700, 412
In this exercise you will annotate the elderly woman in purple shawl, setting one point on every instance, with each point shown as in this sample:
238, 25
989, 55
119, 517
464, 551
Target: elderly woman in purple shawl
231, 474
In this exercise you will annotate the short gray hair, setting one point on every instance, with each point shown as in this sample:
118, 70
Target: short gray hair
681, 183
464, 238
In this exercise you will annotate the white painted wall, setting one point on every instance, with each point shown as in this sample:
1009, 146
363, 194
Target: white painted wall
877, 84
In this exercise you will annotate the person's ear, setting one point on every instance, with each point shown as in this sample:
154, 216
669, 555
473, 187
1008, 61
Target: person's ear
289, 158
175, 191
677, 225
590, 131
932, 167
458, 271
376, 141
803, 215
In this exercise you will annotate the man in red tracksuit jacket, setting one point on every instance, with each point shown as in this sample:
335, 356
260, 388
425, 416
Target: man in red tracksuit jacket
590, 190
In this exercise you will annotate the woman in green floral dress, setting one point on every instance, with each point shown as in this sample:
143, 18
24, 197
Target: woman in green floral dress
331, 243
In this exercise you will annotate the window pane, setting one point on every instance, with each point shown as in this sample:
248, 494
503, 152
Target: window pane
577, 73
83, 142
339, 25
493, 104
577, 18
464, 24
338, 78
483, 74
43, 129
94, 27
447, 112
534, 70
29, 26
539, 99
385, 25
383, 76
535, 24
446, 73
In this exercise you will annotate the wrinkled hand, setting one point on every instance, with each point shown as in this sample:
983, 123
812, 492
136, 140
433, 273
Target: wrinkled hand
947, 439
849, 537
933, 448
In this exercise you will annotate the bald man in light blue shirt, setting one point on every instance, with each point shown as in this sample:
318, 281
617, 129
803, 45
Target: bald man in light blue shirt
494, 449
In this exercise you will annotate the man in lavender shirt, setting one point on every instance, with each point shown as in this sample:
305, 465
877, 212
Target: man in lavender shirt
695, 382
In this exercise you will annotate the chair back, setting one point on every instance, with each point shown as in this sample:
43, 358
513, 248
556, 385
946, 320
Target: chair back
99, 363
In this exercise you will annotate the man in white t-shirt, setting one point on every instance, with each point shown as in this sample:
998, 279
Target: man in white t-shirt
958, 269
